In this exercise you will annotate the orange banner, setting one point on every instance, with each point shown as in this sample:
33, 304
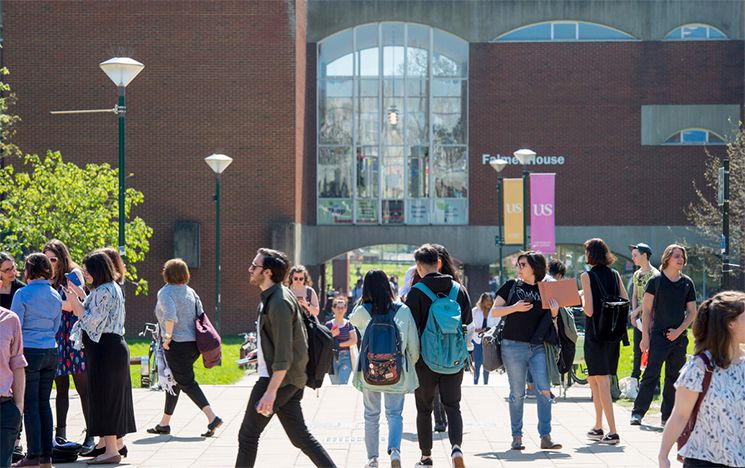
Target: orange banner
513, 211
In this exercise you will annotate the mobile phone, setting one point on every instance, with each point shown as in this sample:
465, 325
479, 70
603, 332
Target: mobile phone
73, 278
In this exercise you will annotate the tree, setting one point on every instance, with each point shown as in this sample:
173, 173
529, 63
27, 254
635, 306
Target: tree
8, 121
705, 214
51, 198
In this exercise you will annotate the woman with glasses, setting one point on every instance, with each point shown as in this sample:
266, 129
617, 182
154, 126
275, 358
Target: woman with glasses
301, 286
9, 284
526, 327
71, 361
345, 336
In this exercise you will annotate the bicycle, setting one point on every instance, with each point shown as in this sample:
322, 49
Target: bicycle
149, 374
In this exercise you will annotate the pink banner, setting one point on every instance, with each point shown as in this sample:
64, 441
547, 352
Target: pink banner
542, 224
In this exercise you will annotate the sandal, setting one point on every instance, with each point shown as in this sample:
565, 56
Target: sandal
158, 429
211, 427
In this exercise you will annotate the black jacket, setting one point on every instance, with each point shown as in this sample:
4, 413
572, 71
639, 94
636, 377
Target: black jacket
419, 303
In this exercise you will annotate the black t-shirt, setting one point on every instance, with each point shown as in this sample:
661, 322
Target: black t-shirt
670, 303
521, 326
7, 299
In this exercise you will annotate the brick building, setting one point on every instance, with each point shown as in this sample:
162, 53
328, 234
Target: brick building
304, 95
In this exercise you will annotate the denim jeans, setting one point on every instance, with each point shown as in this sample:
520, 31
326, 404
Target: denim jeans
342, 368
478, 361
518, 357
394, 407
37, 413
10, 424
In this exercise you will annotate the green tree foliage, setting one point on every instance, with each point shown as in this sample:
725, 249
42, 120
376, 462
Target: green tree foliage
7, 121
705, 214
49, 198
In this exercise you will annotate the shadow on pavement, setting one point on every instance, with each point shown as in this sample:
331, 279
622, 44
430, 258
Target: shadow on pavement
521, 455
600, 448
158, 439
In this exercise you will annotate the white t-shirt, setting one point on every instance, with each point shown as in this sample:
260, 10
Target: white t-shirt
260, 361
478, 321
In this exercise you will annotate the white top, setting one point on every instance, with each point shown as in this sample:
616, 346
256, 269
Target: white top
261, 367
717, 437
478, 321
104, 313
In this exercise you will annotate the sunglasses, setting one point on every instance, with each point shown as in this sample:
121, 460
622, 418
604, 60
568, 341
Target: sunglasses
53, 259
298, 278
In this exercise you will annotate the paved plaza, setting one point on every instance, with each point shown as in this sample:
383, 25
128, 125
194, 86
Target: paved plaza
334, 416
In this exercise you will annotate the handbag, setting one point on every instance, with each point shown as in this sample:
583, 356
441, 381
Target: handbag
691, 424
491, 341
209, 342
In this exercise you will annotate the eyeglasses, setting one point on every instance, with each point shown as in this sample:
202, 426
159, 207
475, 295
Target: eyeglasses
340, 305
53, 259
9, 269
298, 278
521, 265
255, 266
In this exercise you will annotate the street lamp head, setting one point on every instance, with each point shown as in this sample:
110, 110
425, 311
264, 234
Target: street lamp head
498, 164
525, 156
218, 162
121, 70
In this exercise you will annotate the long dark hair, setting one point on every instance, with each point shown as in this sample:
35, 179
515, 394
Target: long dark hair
376, 290
100, 267
64, 262
448, 266
711, 329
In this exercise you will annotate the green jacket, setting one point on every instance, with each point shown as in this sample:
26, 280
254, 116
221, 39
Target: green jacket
409, 381
284, 340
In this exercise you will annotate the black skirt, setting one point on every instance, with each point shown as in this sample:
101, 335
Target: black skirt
601, 357
110, 395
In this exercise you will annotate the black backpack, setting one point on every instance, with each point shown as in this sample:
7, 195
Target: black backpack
609, 323
320, 350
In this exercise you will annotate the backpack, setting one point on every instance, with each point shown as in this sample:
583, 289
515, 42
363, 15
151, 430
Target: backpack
444, 348
381, 356
609, 323
320, 350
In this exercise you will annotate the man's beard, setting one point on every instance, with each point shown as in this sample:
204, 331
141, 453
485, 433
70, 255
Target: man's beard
254, 281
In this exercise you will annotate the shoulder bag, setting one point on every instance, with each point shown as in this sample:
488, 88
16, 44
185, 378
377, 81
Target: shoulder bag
491, 340
691, 424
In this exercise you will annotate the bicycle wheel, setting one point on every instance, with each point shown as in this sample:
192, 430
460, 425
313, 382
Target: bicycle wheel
579, 373
153, 370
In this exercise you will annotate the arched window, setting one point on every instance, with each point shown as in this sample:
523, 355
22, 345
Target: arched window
695, 32
695, 136
392, 126
565, 31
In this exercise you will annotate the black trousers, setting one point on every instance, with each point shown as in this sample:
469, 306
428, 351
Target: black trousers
181, 358
441, 418
696, 463
673, 355
449, 389
290, 414
636, 371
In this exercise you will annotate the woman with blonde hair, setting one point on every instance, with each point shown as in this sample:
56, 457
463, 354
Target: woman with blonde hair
301, 285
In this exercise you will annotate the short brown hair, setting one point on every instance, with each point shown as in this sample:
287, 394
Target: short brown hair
426, 254
537, 263
668, 254
710, 330
176, 271
277, 262
100, 267
598, 253
38, 266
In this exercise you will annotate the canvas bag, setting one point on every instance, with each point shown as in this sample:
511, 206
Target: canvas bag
609, 323
209, 342
491, 341
381, 357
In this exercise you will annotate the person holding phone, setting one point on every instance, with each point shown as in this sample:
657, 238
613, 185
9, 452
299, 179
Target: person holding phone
345, 336
301, 286
71, 361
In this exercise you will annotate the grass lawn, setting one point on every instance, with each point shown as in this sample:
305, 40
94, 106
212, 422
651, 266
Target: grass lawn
225, 374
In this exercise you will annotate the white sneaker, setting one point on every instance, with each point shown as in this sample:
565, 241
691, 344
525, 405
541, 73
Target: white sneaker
372, 463
395, 459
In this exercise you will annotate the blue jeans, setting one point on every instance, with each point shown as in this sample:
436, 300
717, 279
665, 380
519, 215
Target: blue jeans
37, 413
519, 357
10, 424
478, 361
342, 368
394, 407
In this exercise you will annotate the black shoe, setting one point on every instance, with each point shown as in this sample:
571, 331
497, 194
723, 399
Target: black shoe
610, 439
211, 427
61, 433
441, 427
89, 443
636, 419
17, 453
424, 462
595, 434
158, 429
100, 451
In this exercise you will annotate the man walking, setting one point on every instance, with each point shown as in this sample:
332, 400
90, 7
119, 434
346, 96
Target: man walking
640, 255
282, 355
420, 302
12, 383
668, 309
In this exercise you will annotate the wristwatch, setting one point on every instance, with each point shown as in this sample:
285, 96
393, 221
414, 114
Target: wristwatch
167, 336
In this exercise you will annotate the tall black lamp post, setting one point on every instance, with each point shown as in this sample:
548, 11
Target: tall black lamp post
218, 163
525, 156
498, 164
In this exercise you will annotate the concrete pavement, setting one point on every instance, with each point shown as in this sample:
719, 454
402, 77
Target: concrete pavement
334, 416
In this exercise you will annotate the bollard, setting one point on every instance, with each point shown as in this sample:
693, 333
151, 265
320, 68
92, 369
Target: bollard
144, 372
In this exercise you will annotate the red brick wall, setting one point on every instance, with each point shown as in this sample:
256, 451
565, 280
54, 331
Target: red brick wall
221, 75
583, 101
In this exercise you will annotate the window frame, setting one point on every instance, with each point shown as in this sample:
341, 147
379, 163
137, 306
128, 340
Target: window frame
706, 142
679, 29
577, 38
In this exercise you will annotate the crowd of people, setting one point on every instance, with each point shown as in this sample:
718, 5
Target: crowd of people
68, 320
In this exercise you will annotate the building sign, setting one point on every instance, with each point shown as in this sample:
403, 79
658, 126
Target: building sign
552, 160
513, 211
542, 219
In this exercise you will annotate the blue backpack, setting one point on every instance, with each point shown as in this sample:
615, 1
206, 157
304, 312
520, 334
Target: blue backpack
381, 359
444, 340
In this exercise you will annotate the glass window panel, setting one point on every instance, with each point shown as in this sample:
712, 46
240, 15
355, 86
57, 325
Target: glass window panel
367, 112
419, 172
417, 124
451, 172
335, 55
393, 49
393, 121
393, 172
417, 51
716, 34
450, 55
335, 122
367, 211
335, 211
565, 31
674, 35
367, 50
693, 136
368, 87
450, 212
693, 32
714, 138
334, 172
674, 139
417, 211
416, 87
537, 32
596, 32
368, 167
448, 121
393, 87
393, 211
450, 88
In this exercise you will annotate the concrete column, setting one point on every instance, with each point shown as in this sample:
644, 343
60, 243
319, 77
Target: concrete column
340, 265
477, 280
314, 271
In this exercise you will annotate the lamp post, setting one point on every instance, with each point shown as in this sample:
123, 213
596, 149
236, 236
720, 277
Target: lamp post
525, 156
725, 225
218, 163
498, 164
121, 70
